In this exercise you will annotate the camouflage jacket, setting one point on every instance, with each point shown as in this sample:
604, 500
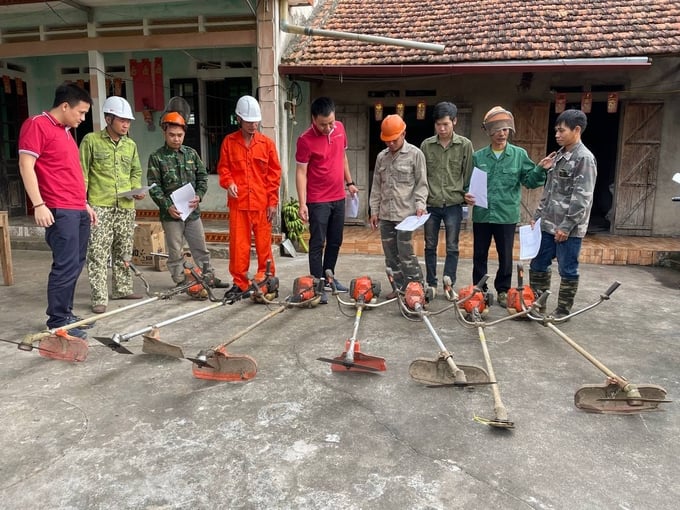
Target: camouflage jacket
568, 193
169, 170
110, 168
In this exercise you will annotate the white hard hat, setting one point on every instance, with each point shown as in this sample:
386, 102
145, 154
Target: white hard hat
248, 109
119, 107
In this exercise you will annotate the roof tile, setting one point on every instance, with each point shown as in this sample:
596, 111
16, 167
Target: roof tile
483, 30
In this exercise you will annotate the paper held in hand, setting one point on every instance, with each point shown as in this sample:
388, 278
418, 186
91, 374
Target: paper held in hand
529, 240
181, 198
412, 222
138, 191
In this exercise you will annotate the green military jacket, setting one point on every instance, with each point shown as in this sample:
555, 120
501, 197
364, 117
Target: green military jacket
448, 170
169, 170
110, 168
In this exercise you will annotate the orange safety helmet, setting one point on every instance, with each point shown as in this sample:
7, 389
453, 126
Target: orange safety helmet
391, 128
173, 118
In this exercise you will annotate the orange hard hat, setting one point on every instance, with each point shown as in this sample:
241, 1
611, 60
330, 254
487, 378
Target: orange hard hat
173, 118
391, 128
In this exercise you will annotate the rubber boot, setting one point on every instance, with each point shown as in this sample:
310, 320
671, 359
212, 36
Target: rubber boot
565, 299
540, 282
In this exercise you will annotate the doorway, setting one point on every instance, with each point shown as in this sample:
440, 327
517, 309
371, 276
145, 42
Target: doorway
13, 112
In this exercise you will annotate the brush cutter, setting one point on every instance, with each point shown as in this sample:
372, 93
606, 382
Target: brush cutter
616, 395
56, 343
473, 302
152, 343
364, 293
522, 297
217, 364
443, 370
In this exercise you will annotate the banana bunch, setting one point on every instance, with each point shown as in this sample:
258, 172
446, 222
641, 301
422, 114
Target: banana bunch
294, 224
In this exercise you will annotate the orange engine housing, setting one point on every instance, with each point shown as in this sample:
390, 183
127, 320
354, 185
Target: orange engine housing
478, 299
516, 296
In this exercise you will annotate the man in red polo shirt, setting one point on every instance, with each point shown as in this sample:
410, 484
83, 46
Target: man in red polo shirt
321, 171
49, 163
250, 171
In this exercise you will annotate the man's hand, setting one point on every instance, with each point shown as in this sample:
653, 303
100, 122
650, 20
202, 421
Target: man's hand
561, 236
469, 199
43, 216
139, 197
420, 212
548, 161
303, 212
173, 212
232, 190
374, 221
193, 203
271, 213
353, 190
94, 221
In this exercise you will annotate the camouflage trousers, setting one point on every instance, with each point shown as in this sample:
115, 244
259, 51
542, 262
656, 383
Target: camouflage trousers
110, 239
398, 249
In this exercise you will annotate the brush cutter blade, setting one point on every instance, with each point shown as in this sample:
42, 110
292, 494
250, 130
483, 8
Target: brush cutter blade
611, 399
362, 363
112, 344
63, 347
219, 365
438, 372
495, 423
153, 345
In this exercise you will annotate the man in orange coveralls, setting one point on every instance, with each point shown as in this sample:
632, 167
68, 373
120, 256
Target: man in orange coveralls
250, 171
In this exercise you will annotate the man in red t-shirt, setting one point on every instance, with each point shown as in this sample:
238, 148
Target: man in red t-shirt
250, 171
49, 163
321, 172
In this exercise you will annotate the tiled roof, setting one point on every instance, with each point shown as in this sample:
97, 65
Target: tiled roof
483, 30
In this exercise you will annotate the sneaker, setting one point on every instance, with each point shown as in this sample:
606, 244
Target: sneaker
234, 293
75, 318
77, 332
324, 299
338, 286
218, 284
502, 299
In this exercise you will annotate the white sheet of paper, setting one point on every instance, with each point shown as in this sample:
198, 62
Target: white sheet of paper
478, 187
529, 240
138, 191
181, 198
412, 222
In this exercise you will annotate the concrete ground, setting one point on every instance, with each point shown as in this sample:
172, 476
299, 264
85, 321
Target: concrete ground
139, 431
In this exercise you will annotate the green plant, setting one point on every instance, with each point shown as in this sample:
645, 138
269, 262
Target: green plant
294, 224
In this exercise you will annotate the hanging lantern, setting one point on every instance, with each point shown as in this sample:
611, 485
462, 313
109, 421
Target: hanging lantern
586, 102
378, 111
612, 102
400, 109
560, 102
420, 110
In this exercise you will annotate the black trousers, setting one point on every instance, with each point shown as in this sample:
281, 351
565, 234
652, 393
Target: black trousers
503, 236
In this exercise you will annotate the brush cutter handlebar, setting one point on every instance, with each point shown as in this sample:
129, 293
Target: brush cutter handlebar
545, 319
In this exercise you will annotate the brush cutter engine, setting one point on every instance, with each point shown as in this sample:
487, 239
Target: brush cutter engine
520, 299
197, 291
307, 289
477, 299
414, 294
364, 289
269, 290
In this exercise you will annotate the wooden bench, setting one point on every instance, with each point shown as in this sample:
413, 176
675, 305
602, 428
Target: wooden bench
6, 250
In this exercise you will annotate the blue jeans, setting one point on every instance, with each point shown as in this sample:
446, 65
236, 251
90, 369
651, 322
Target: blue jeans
326, 223
566, 254
67, 237
451, 215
